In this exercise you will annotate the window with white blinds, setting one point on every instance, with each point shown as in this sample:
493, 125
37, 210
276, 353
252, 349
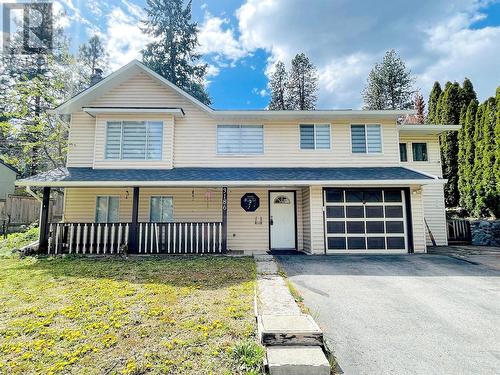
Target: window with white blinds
314, 136
240, 139
366, 138
134, 140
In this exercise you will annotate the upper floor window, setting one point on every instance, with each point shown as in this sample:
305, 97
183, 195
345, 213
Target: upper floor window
240, 139
314, 136
403, 152
366, 139
107, 209
419, 151
134, 140
161, 209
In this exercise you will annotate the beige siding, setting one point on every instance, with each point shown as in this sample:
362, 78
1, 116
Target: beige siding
417, 213
317, 225
246, 230
100, 142
432, 196
306, 219
81, 140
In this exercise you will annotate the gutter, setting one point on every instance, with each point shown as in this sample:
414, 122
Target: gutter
32, 193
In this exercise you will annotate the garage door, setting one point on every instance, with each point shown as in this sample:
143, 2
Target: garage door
365, 220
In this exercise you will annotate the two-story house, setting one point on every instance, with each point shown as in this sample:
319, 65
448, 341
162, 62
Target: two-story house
151, 167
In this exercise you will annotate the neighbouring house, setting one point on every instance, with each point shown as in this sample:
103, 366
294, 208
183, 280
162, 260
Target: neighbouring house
8, 176
152, 168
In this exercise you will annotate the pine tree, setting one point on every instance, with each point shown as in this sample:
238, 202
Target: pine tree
419, 105
389, 84
468, 92
433, 103
466, 157
278, 85
91, 56
173, 54
302, 84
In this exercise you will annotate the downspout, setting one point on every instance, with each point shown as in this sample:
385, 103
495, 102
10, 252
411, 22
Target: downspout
33, 194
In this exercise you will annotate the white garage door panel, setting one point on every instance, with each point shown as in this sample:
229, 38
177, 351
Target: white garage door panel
365, 220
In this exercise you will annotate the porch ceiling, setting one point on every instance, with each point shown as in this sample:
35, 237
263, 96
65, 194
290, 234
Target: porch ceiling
376, 176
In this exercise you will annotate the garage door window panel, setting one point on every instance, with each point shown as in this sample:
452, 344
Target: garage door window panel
395, 243
394, 227
337, 243
356, 243
355, 211
375, 243
393, 211
334, 196
375, 227
374, 211
356, 227
335, 212
334, 227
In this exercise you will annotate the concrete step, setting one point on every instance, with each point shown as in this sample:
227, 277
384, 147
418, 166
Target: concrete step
289, 330
297, 360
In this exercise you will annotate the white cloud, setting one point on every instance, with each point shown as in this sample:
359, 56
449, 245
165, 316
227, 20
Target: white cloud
218, 38
124, 40
260, 92
345, 38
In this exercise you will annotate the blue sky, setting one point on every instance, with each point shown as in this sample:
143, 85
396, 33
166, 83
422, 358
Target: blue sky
241, 40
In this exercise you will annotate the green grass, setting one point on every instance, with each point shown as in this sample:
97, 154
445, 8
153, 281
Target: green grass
17, 240
176, 315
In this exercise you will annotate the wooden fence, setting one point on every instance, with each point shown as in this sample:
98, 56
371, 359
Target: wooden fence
459, 231
19, 210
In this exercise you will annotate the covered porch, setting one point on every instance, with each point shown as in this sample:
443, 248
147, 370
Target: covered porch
211, 210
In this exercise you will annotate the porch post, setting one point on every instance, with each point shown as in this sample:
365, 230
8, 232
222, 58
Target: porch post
43, 236
132, 233
224, 219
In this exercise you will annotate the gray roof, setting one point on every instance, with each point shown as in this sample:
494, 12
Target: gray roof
73, 175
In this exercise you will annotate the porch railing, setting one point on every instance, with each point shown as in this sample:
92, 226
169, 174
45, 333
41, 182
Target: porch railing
152, 238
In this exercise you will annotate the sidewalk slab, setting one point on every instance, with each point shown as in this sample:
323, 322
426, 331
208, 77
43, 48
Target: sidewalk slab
297, 360
274, 298
267, 268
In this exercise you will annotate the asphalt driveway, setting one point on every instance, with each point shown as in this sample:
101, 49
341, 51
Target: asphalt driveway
403, 314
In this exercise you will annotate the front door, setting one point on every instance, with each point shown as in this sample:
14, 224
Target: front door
282, 220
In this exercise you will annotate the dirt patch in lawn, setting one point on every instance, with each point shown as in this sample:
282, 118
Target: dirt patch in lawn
178, 315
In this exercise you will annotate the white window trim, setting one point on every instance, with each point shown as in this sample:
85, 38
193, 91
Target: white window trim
239, 154
420, 161
161, 196
366, 140
121, 140
107, 207
314, 137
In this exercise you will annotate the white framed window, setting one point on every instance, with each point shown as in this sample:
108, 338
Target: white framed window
403, 152
314, 136
240, 139
366, 139
134, 140
107, 209
419, 151
161, 209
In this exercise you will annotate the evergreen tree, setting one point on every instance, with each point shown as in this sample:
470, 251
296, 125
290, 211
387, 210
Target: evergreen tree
419, 105
278, 85
468, 92
449, 108
433, 103
466, 156
173, 54
91, 56
389, 84
497, 142
302, 84
487, 202
478, 163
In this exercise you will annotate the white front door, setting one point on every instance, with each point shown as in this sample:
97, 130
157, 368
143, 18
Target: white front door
282, 219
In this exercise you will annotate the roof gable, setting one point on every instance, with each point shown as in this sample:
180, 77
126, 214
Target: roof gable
126, 75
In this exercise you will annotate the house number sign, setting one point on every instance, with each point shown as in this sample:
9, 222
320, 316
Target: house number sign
250, 202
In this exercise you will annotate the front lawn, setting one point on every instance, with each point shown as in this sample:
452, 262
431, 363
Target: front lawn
177, 315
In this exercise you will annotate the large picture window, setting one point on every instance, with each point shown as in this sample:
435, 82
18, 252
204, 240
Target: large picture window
134, 140
240, 139
161, 209
366, 139
314, 136
107, 209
